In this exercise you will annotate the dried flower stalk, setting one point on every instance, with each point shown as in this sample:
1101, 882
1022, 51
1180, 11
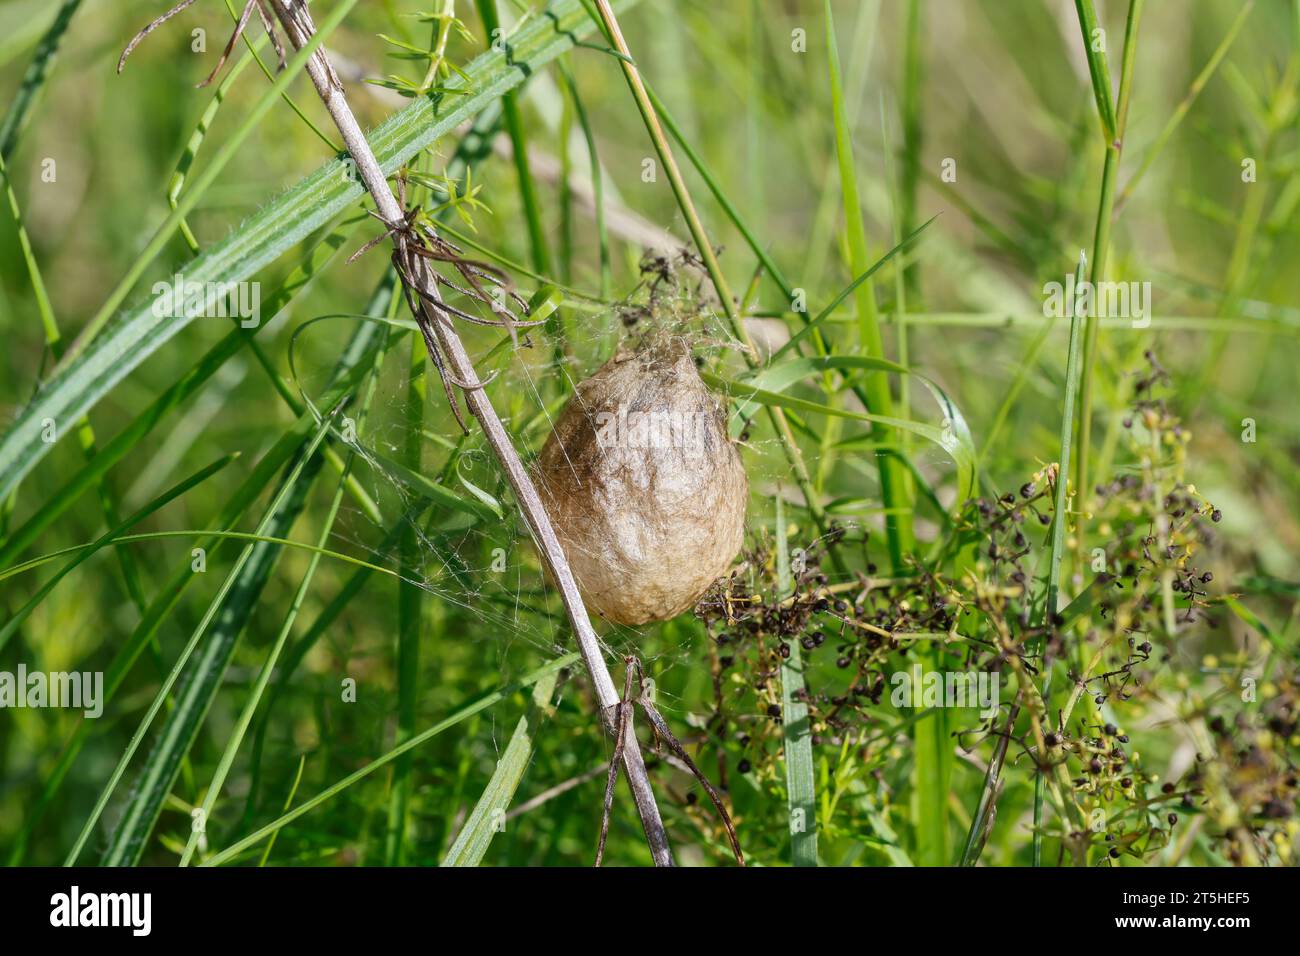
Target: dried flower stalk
436, 322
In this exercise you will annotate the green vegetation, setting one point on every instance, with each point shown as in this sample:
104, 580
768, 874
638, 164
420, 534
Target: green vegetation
324, 632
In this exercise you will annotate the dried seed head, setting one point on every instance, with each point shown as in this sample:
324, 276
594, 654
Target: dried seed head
645, 488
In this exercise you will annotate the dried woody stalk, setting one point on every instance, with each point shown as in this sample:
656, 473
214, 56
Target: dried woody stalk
415, 247
453, 362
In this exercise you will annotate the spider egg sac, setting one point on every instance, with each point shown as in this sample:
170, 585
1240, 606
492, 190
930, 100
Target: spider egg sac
645, 488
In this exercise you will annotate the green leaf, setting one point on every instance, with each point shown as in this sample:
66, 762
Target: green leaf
800, 786
544, 301
1255, 622
894, 488
34, 79
954, 437
488, 814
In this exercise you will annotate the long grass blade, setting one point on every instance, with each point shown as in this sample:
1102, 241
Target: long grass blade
264, 675
38, 72
410, 612
800, 783
215, 641
489, 813
893, 481
953, 436
355, 360
1094, 48
1060, 518
186, 386
1115, 121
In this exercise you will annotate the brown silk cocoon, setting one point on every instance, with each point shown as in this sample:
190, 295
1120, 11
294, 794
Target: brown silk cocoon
645, 488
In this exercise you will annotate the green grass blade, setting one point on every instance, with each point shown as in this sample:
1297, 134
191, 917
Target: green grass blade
410, 613
1101, 234
253, 47
288, 802
34, 79
195, 142
157, 612
488, 816
170, 594
355, 360
142, 805
1098, 67
704, 247
827, 314
54, 341
186, 386
43, 306
318, 628
800, 784
428, 491
1180, 112
889, 841
1028, 363
1073, 374
264, 676
953, 437
195, 534
228, 615
418, 483
910, 108
304, 586
728, 207
537, 243
597, 178
893, 479
230, 148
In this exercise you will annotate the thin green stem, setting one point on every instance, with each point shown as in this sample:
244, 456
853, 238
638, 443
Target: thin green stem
1060, 519
1115, 121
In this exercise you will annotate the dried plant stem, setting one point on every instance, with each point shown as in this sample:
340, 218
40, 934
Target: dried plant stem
296, 20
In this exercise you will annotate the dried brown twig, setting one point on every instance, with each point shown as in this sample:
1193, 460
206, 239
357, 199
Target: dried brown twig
662, 732
437, 328
244, 16
416, 246
415, 239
